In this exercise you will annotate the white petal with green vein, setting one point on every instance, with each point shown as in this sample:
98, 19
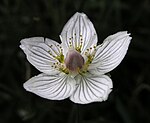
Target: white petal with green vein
78, 32
40, 54
91, 88
110, 53
54, 87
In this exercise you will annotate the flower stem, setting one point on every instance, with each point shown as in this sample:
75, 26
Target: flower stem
74, 114
77, 114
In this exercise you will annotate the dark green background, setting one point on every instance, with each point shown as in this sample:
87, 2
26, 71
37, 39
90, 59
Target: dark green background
129, 101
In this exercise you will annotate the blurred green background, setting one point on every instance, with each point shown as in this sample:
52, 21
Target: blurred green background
129, 101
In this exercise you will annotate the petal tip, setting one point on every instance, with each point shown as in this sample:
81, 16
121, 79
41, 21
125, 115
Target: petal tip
26, 86
126, 33
105, 97
22, 46
80, 14
23, 43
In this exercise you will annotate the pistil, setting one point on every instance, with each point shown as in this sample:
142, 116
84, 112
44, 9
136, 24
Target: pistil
74, 61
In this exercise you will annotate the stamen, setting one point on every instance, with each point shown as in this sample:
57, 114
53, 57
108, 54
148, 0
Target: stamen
51, 54
75, 41
58, 55
89, 53
60, 67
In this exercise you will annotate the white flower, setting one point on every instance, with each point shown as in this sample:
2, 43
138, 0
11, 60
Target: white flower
75, 68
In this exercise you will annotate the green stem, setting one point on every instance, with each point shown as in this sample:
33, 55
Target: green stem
77, 114
74, 114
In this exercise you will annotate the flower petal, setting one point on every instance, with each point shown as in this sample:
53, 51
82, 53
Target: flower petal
40, 53
54, 87
78, 32
109, 54
91, 88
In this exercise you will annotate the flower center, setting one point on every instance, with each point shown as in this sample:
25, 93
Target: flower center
74, 61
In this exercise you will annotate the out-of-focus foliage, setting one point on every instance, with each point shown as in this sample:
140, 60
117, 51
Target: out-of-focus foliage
130, 98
